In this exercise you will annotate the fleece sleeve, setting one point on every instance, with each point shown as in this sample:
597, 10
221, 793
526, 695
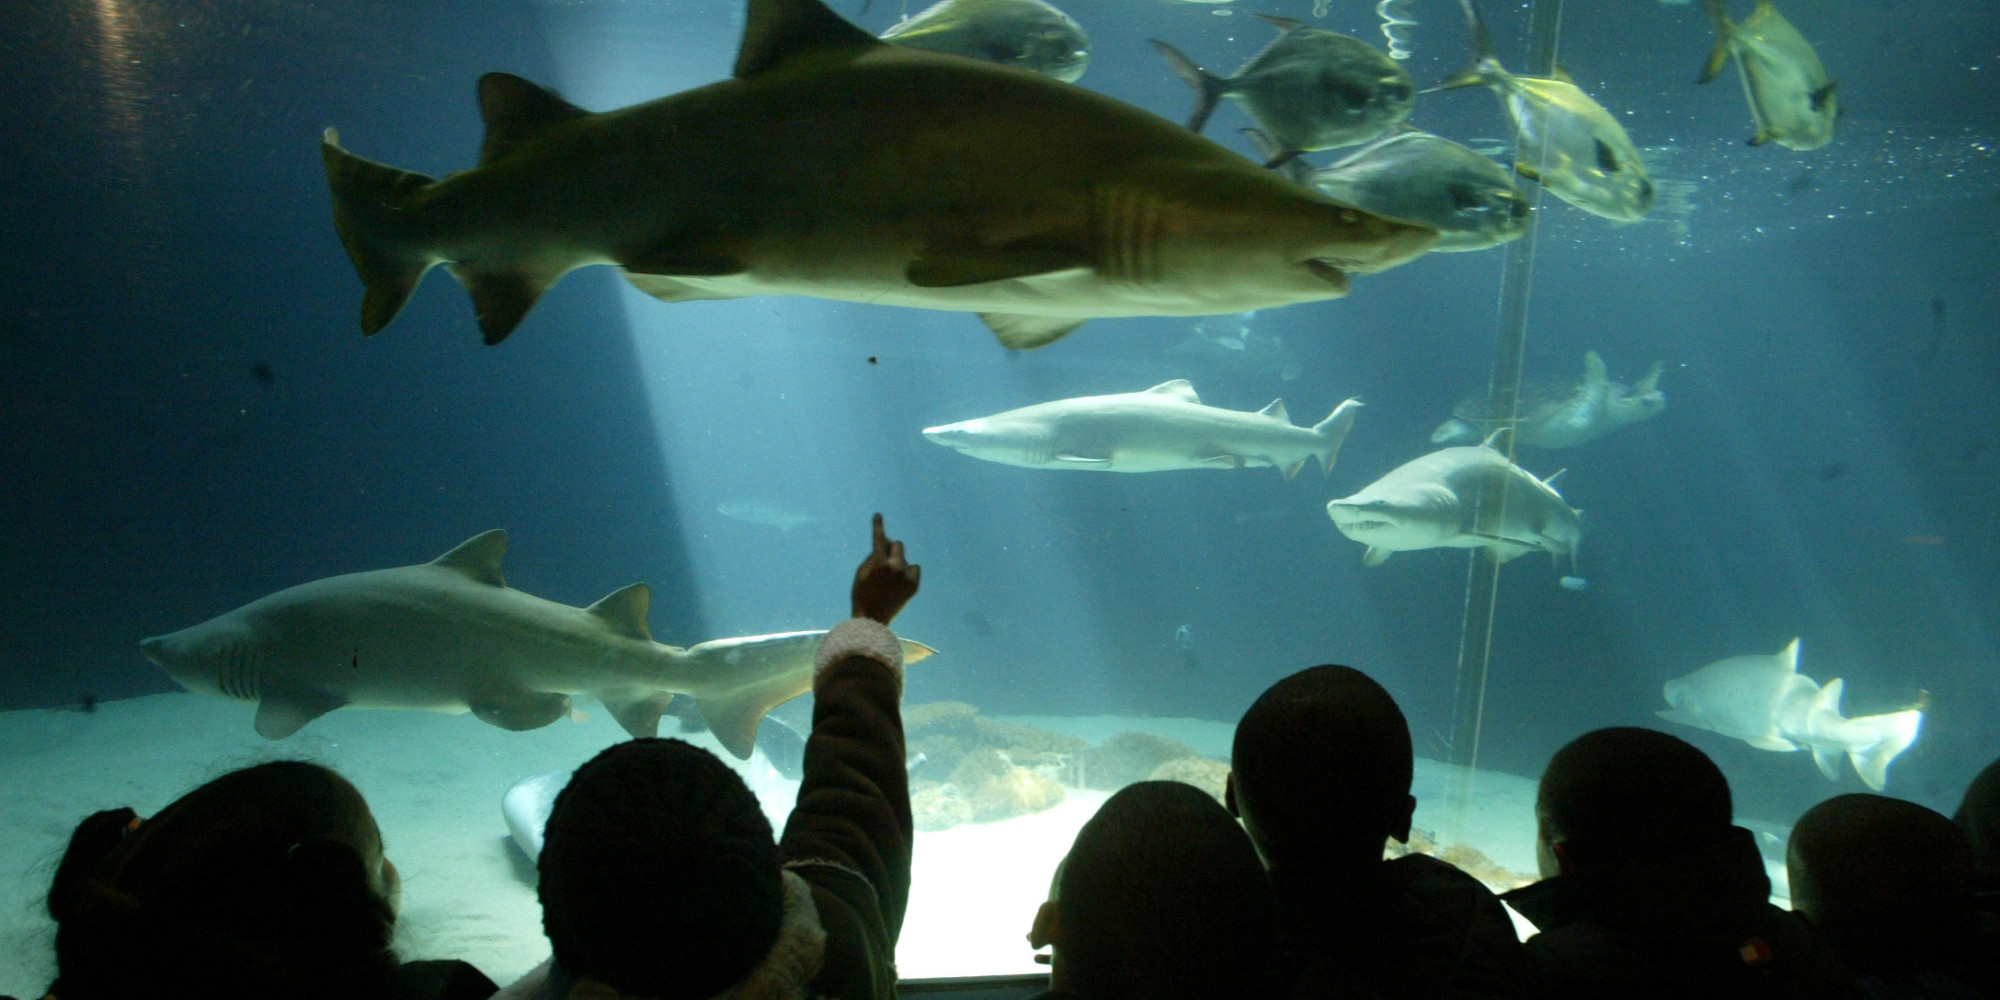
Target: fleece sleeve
849, 833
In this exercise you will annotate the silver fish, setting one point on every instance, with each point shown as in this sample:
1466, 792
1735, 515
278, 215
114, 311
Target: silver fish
1412, 174
1791, 97
1024, 34
1309, 89
1585, 158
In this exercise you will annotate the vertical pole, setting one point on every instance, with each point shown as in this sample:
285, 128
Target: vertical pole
1482, 579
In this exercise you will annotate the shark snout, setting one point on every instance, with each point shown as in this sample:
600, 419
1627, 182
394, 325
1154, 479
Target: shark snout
156, 649
1352, 515
956, 435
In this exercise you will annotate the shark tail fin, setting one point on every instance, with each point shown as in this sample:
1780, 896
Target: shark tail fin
1892, 734
370, 213
1207, 86
749, 676
1333, 432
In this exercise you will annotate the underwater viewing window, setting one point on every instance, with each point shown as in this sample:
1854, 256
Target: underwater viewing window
1516, 369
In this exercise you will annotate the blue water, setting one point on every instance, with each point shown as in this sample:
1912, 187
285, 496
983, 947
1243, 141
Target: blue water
192, 418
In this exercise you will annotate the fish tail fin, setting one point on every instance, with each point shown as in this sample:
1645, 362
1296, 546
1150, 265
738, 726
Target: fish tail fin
1483, 62
1207, 86
370, 215
1333, 432
1889, 735
1474, 75
1717, 56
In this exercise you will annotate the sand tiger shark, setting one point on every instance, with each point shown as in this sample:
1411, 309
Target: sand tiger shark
449, 635
1765, 702
1470, 497
1163, 428
840, 166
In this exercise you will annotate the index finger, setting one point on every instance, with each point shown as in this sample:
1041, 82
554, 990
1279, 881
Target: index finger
881, 541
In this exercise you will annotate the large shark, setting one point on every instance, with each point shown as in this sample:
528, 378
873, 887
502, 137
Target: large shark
450, 636
1765, 702
1470, 497
1163, 428
839, 166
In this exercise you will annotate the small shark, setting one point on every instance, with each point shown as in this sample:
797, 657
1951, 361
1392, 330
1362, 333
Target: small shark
1462, 498
1163, 428
839, 166
450, 636
767, 512
1765, 702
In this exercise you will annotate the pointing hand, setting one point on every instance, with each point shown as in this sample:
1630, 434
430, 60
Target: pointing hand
885, 580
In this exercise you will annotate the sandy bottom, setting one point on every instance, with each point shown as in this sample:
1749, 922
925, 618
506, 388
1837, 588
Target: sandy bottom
436, 782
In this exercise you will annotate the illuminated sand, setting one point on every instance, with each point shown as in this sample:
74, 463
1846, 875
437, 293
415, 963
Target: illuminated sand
435, 783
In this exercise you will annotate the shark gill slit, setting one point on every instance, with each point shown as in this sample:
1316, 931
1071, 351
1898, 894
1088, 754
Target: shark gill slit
1125, 224
239, 671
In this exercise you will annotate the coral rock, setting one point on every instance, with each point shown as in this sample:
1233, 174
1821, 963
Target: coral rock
1211, 776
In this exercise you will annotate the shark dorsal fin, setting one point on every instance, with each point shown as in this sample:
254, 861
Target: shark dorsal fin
624, 611
1276, 408
777, 31
478, 557
1493, 440
1789, 656
1179, 388
515, 109
1828, 698
1550, 481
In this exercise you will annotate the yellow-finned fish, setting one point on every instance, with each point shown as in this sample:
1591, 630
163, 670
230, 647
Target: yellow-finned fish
1024, 34
1791, 97
1564, 140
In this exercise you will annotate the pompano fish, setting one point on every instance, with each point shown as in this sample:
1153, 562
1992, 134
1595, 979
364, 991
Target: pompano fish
1024, 34
1765, 702
1412, 174
449, 635
1309, 89
1791, 97
1460, 498
1163, 428
839, 166
1563, 139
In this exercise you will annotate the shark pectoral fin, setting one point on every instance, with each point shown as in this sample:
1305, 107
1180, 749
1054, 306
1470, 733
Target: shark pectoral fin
478, 558
1222, 462
951, 268
668, 289
1293, 469
1082, 460
686, 714
1025, 333
1376, 556
914, 651
280, 713
502, 297
623, 611
515, 109
1828, 761
1771, 741
520, 710
639, 715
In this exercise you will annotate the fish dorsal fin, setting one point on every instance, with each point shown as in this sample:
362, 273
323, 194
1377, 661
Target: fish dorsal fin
514, 110
1558, 72
1789, 656
478, 557
1276, 408
1179, 388
624, 611
778, 31
1283, 24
